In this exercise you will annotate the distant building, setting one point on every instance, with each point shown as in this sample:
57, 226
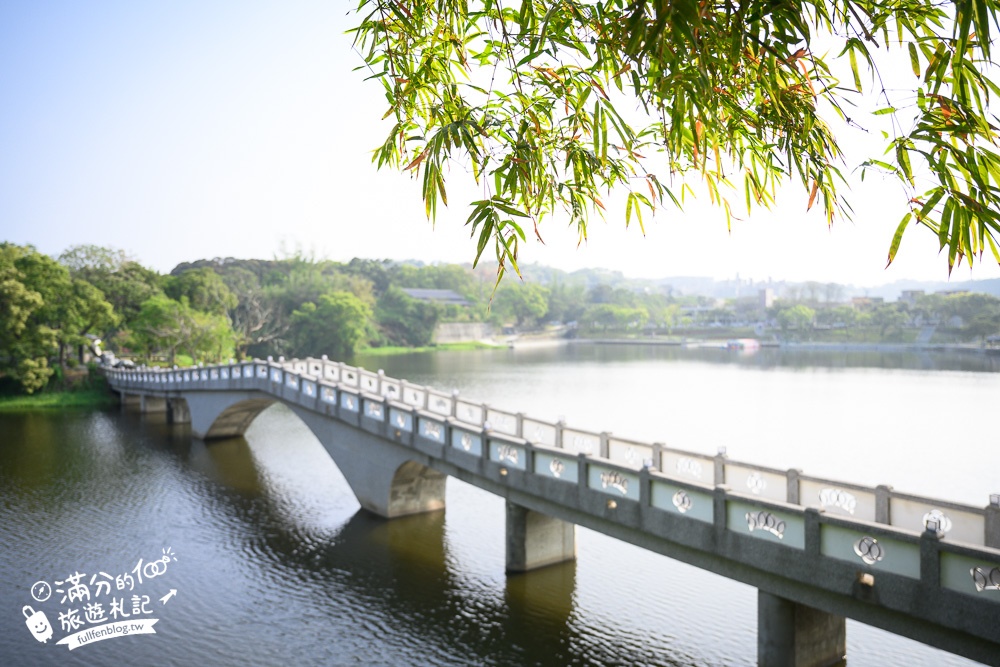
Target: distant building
910, 296
443, 296
766, 298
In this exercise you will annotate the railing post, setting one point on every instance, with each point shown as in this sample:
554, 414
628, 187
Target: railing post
658, 454
992, 536
812, 530
930, 555
605, 447
882, 494
720, 467
792, 493
719, 512
645, 490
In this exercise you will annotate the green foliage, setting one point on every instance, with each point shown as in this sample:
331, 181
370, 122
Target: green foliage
125, 283
566, 302
798, 316
977, 315
838, 316
169, 327
552, 105
43, 310
335, 325
88, 259
612, 317
405, 321
525, 303
83, 311
204, 289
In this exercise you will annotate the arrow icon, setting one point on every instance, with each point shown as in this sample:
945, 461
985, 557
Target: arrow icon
172, 593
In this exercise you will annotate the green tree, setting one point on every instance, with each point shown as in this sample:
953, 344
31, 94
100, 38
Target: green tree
204, 289
612, 317
405, 321
891, 319
125, 283
335, 325
254, 317
798, 316
83, 311
535, 99
983, 324
91, 259
44, 312
169, 327
566, 302
837, 316
25, 345
526, 303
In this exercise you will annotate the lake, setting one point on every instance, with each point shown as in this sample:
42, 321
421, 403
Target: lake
271, 561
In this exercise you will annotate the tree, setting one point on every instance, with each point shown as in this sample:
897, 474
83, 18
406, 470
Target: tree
166, 326
83, 311
90, 259
837, 316
890, 318
566, 302
125, 283
535, 100
526, 303
43, 312
204, 289
253, 317
24, 345
405, 321
798, 316
335, 325
606, 316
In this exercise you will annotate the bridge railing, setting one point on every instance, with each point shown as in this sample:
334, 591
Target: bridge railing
614, 461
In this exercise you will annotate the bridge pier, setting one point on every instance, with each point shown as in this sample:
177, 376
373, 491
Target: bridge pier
152, 404
535, 540
415, 489
131, 400
177, 411
794, 635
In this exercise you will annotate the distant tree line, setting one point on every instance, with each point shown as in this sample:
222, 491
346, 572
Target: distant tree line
213, 310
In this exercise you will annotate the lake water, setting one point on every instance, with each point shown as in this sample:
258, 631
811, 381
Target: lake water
273, 563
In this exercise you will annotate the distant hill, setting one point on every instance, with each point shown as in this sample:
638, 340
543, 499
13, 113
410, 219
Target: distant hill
671, 285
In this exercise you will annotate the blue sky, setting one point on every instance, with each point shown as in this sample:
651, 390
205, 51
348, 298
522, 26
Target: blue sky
187, 130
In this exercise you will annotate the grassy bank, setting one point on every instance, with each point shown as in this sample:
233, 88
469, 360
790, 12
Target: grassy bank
93, 397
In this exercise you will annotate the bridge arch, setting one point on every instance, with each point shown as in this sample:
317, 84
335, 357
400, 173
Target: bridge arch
387, 480
233, 420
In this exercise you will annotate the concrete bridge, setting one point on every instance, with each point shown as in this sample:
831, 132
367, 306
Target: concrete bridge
817, 550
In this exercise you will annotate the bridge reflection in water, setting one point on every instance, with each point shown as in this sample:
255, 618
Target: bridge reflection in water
817, 550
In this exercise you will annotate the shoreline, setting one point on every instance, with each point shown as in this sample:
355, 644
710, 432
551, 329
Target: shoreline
59, 400
793, 346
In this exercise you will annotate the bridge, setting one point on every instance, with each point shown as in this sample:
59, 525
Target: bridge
817, 550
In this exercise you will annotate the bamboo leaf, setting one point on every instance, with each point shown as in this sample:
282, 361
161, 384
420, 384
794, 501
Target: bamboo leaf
897, 237
914, 59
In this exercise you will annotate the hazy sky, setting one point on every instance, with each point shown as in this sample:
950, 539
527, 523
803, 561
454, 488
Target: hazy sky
187, 130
